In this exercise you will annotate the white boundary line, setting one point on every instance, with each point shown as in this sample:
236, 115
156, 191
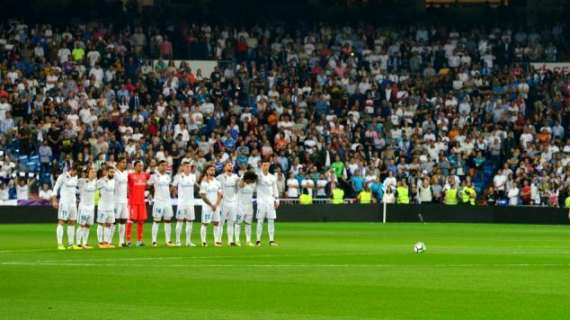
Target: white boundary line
466, 265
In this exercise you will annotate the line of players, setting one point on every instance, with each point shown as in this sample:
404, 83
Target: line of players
227, 200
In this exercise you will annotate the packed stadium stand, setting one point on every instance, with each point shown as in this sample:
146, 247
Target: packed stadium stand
357, 106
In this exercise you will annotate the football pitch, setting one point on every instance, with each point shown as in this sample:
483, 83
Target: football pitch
319, 271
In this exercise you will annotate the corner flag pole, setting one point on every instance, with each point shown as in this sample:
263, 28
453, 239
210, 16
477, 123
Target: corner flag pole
383, 211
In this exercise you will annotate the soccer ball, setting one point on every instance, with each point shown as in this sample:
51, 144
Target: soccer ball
420, 247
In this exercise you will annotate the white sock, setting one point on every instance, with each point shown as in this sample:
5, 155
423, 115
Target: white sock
203, 231
167, 232
230, 229
99, 233
122, 229
178, 231
71, 234
154, 231
248, 232
85, 236
78, 236
237, 230
217, 234
107, 231
271, 229
259, 229
113, 228
221, 230
59, 234
188, 232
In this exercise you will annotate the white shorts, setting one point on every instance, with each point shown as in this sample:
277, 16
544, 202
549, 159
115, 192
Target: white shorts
245, 214
121, 210
162, 211
67, 212
229, 212
209, 216
86, 215
105, 215
266, 211
185, 213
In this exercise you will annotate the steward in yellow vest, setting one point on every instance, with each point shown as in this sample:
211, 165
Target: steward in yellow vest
306, 198
469, 195
450, 197
365, 196
402, 193
337, 196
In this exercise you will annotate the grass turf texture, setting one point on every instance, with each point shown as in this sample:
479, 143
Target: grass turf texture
320, 271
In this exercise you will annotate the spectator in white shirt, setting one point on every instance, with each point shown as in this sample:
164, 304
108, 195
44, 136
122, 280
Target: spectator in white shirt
45, 192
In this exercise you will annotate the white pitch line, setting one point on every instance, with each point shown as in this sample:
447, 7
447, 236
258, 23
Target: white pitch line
200, 257
25, 251
470, 265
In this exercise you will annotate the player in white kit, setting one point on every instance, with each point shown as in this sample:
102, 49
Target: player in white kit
211, 193
121, 199
66, 187
87, 189
229, 210
184, 183
267, 203
245, 206
106, 208
162, 206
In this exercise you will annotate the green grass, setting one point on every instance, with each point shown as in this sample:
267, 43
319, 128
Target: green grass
320, 271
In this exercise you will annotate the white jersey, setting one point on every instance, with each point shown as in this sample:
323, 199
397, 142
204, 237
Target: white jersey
267, 189
87, 189
22, 192
185, 185
211, 189
161, 183
66, 187
121, 181
293, 188
106, 188
245, 194
229, 187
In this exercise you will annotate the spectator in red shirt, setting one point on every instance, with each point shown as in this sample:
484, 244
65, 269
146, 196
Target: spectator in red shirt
166, 48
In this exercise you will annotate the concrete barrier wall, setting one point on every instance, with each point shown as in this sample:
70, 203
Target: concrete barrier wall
357, 212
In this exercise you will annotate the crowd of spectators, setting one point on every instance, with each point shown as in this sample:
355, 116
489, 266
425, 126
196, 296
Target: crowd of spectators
348, 106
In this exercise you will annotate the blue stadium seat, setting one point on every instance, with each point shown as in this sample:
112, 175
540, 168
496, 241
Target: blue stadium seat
34, 164
45, 178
